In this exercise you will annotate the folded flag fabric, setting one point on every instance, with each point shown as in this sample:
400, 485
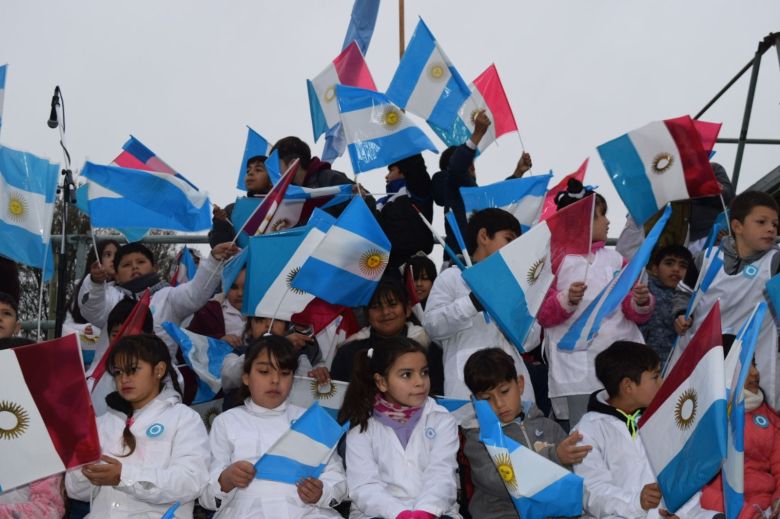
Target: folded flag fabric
461, 410
349, 68
135, 155
305, 392
571, 230
738, 364
539, 488
684, 427
185, 267
659, 163
550, 207
378, 133
3, 72
255, 145
28, 187
345, 267
233, 268
361, 24
304, 450
512, 282
426, 83
120, 197
523, 197
205, 356
708, 132
48, 423
487, 93
331, 325
260, 219
587, 325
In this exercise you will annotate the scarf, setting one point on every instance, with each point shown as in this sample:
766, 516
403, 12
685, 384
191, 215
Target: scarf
396, 412
631, 420
753, 400
135, 287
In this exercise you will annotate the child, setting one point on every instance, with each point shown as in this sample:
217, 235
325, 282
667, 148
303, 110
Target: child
750, 259
668, 267
239, 437
400, 453
221, 317
617, 473
490, 375
424, 274
9, 317
135, 272
454, 317
579, 281
154, 447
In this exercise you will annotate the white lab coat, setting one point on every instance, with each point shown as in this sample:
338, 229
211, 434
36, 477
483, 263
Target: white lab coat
172, 304
452, 321
384, 479
168, 463
246, 433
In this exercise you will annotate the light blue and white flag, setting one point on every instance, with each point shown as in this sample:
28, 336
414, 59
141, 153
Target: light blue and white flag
120, 197
512, 282
523, 197
378, 133
738, 363
303, 451
185, 269
3, 71
361, 24
539, 488
171, 512
28, 186
204, 355
233, 268
255, 145
426, 83
461, 410
344, 269
587, 325
340, 193
305, 392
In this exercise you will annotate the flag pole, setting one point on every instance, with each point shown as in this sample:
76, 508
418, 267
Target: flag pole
590, 248
439, 239
726, 212
401, 38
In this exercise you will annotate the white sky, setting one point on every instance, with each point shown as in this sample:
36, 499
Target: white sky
185, 77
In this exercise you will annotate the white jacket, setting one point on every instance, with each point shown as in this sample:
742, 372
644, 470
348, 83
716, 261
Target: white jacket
246, 433
172, 304
452, 321
168, 464
384, 479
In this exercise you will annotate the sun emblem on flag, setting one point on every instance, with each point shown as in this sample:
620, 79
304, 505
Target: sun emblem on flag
685, 409
436, 71
506, 471
324, 391
536, 270
391, 116
17, 207
14, 420
662, 162
330, 94
209, 416
289, 279
373, 262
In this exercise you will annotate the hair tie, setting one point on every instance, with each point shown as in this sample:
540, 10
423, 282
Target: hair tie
129, 423
370, 353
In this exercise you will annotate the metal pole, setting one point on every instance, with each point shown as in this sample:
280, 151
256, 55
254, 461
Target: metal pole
746, 117
401, 38
723, 90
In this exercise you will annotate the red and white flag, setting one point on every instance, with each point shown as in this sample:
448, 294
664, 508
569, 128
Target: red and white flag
549, 207
47, 424
258, 221
571, 229
487, 93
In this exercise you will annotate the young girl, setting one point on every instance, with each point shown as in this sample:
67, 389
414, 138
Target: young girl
240, 436
154, 447
400, 454
572, 377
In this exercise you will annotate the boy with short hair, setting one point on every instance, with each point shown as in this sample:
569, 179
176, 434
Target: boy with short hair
617, 473
750, 259
9, 316
667, 268
455, 319
490, 375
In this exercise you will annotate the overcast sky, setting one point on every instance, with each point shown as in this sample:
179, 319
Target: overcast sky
185, 77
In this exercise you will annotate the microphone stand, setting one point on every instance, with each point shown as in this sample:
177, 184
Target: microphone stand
68, 191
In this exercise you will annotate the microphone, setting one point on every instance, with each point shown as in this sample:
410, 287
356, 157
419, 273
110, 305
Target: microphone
55, 102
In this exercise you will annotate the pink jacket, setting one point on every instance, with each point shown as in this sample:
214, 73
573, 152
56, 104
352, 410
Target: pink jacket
762, 465
43, 499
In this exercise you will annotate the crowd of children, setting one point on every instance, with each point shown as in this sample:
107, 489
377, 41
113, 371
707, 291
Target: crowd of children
405, 455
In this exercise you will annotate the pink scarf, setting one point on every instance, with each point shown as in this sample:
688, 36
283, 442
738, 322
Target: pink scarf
396, 412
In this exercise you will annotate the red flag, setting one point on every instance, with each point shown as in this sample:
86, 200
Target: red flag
549, 207
134, 325
570, 230
488, 84
708, 133
258, 221
414, 301
319, 314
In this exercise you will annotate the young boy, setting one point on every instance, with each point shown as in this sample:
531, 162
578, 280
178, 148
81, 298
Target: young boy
667, 268
617, 473
9, 317
750, 259
490, 375
453, 316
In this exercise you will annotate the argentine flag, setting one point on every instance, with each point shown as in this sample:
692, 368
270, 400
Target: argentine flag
344, 269
378, 133
255, 145
539, 488
426, 83
28, 186
304, 450
512, 282
204, 355
523, 197
3, 71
